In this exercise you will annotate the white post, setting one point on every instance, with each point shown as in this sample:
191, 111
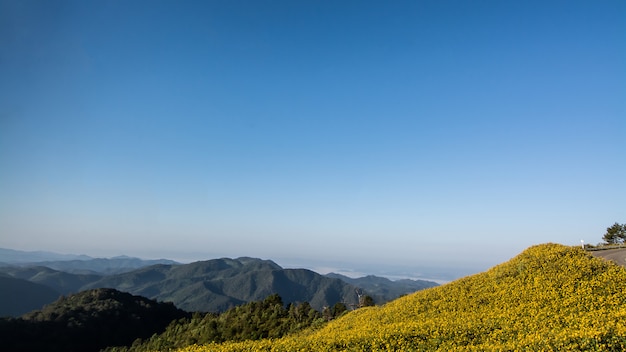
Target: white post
582, 243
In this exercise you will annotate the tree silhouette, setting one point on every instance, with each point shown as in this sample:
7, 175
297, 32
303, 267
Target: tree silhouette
615, 234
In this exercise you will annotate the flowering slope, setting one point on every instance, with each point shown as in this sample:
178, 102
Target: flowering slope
550, 297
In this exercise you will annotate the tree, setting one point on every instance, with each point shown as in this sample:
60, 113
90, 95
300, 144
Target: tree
338, 309
615, 234
368, 301
364, 300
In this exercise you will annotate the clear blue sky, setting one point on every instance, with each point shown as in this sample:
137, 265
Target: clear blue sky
385, 132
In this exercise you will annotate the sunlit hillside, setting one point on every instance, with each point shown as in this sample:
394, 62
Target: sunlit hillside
550, 297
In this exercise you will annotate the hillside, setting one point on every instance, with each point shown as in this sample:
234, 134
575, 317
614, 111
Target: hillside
269, 318
550, 297
19, 296
381, 289
60, 281
87, 321
218, 284
212, 285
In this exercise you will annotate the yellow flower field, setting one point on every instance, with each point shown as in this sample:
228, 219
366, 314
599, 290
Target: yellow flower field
549, 298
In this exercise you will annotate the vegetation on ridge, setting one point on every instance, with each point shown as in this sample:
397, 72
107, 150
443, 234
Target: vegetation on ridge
550, 297
219, 284
615, 234
207, 286
252, 321
87, 321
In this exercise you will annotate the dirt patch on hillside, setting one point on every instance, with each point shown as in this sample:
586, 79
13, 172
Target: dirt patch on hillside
617, 255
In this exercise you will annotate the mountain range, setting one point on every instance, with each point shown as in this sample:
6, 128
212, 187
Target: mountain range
209, 286
12, 256
75, 264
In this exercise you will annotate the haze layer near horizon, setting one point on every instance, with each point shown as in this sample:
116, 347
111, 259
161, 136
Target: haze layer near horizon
403, 133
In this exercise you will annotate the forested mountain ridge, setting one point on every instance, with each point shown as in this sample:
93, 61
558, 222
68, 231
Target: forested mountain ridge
268, 318
60, 281
216, 285
88, 321
381, 288
550, 297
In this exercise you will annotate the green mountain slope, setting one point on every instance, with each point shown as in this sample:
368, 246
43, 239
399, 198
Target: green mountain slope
550, 297
60, 281
213, 285
218, 284
381, 288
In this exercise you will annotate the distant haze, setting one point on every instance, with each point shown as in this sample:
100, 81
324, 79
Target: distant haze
399, 137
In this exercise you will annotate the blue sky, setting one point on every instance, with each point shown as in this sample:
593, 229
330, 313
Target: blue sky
404, 133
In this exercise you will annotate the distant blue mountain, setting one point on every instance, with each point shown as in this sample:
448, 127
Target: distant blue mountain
11, 256
103, 266
76, 264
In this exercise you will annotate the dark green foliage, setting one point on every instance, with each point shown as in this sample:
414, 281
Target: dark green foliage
252, 321
337, 310
367, 301
88, 321
615, 234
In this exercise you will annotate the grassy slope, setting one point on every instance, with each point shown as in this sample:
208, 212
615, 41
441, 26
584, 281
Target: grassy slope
550, 297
